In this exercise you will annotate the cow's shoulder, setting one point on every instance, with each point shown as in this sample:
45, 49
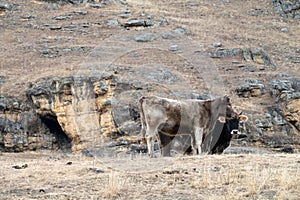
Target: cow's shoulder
159, 100
198, 104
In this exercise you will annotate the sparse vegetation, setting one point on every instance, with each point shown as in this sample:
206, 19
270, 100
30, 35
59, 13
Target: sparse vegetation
244, 176
114, 185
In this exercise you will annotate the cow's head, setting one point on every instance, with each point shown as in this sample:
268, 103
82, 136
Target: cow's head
222, 107
233, 123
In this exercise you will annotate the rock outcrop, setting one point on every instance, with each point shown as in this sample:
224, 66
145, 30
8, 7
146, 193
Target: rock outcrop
255, 55
287, 8
81, 112
89, 109
287, 94
278, 128
6, 6
22, 129
251, 88
81, 105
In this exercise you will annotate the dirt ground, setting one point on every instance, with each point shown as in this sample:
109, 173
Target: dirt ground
49, 175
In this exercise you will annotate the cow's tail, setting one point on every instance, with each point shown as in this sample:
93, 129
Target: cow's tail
143, 120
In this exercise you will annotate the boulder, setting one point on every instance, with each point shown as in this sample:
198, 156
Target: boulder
5, 6
134, 22
145, 37
221, 53
168, 35
182, 31
254, 55
251, 88
143, 21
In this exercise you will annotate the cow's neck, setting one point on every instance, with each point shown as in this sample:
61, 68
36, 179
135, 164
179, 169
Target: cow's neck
213, 110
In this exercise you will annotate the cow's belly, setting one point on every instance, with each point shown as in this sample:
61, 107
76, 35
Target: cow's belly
171, 129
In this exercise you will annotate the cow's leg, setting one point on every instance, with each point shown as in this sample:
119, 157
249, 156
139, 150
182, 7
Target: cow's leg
151, 133
143, 134
150, 144
193, 144
198, 138
165, 143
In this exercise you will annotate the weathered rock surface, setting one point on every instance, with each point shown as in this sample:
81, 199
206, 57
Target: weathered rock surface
251, 88
145, 37
255, 55
278, 128
22, 129
5, 6
287, 8
287, 93
80, 105
71, 110
77, 112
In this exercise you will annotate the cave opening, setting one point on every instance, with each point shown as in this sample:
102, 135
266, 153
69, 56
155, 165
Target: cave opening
62, 141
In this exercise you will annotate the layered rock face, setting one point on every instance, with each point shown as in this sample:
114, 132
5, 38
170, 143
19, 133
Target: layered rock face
58, 112
287, 93
22, 129
82, 112
70, 113
81, 106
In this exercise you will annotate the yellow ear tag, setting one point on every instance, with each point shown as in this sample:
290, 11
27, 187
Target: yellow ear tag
243, 118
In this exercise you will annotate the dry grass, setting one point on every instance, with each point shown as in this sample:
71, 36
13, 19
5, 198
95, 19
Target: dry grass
272, 176
252, 182
114, 186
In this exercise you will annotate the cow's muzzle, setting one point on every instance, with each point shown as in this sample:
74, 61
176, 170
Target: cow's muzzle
235, 132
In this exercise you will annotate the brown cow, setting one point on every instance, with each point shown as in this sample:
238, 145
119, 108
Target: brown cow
189, 117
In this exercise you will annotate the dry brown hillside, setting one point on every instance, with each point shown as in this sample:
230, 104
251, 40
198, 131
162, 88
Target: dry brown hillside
40, 39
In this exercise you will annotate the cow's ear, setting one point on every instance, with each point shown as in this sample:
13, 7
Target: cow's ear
222, 119
243, 118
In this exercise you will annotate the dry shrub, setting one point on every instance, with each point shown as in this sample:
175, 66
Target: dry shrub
114, 185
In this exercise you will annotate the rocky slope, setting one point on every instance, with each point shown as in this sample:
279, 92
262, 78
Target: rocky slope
85, 64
